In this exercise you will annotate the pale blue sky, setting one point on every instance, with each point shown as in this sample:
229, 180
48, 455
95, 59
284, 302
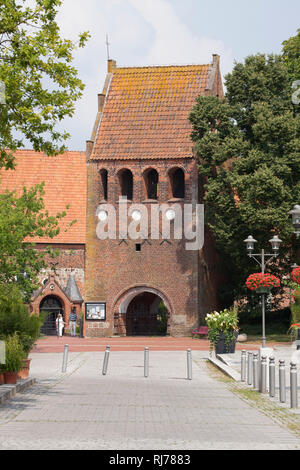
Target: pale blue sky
150, 32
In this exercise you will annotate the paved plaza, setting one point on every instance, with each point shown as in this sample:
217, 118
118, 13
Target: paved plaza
82, 409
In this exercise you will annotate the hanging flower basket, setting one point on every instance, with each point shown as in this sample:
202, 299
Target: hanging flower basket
262, 283
296, 275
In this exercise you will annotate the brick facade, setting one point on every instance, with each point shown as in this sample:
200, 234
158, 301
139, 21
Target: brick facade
112, 268
186, 281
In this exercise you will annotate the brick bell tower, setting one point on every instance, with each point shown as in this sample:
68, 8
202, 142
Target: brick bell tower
141, 149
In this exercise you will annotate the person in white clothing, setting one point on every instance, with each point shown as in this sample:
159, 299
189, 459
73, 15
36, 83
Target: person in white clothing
59, 325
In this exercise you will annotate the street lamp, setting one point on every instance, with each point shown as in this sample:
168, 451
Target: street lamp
295, 213
263, 259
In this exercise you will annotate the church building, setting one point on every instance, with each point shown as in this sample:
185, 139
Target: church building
140, 151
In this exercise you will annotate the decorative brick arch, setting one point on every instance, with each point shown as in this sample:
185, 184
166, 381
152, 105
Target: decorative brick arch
123, 300
52, 288
148, 182
125, 185
175, 184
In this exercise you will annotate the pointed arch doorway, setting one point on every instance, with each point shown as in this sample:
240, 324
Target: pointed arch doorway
50, 307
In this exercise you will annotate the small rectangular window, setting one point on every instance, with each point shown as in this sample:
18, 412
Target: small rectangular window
138, 247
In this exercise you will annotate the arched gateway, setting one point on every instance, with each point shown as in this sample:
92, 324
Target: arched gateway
51, 306
142, 311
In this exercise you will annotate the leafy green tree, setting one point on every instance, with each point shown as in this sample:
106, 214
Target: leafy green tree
21, 219
41, 85
16, 319
248, 146
291, 56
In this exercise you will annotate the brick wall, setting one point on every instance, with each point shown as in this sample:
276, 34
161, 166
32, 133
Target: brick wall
114, 269
70, 260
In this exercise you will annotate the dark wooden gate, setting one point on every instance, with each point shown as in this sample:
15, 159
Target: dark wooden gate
50, 309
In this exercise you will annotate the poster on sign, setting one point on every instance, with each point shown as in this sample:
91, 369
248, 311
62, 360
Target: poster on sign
95, 311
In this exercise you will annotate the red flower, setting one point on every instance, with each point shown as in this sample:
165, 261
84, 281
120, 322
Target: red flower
296, 275
257, 280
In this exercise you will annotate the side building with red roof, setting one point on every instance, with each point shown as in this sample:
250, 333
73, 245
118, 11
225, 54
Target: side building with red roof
65, 178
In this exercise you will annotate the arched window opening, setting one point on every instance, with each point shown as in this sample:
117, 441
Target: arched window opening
126, 183
103, 174
177, 183
151, 181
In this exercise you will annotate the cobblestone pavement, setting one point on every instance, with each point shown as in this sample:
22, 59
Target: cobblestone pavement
83, 409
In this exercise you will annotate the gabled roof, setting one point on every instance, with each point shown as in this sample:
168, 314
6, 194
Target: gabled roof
46, 289
65, 184
146, 109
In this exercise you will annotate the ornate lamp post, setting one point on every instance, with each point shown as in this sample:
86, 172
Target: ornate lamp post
295, 213
263, 259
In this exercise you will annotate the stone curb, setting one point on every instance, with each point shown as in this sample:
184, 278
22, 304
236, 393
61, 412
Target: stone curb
9, 391
218, 362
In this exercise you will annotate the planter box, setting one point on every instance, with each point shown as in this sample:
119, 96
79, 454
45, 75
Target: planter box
10, 378
263, 290
24, 371
222, 348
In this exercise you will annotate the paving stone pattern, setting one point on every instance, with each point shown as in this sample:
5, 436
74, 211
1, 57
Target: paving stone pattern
83, 409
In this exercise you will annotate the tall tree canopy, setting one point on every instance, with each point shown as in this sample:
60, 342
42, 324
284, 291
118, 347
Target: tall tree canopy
41, 85
249, 158
291, 56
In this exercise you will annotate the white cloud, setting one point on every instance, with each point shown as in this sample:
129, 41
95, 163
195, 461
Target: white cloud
141, 32
174, 42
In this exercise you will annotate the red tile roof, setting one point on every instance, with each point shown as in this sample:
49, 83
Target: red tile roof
65, 183
146, 112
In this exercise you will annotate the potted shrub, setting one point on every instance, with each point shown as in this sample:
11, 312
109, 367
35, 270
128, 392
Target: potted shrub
2, 380
27, 344
262, 283
14, 357
295, 309
15, 318
223, 330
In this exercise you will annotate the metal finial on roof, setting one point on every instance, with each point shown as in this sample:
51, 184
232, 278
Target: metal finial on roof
107, 46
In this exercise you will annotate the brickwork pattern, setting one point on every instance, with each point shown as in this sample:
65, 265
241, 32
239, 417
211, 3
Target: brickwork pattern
168, 267
84, 410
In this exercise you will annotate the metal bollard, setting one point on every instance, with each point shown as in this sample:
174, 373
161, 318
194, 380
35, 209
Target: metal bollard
293, 385
105, 361
263, 375
282, 389
250, 368
243, 366
255, 371
272, 376
65, 358
189, 364
146, 362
